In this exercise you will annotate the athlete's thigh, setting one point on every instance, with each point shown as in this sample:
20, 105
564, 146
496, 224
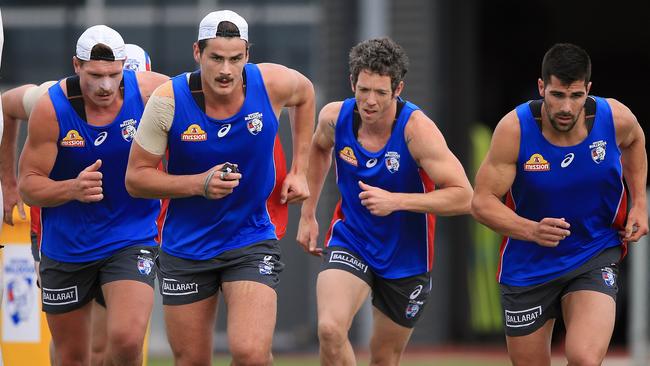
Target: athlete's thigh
128, 306
589, 318
388, 338
339, 296
252, 309
127, 280
190, 326
533, 349
71, 333
99, 325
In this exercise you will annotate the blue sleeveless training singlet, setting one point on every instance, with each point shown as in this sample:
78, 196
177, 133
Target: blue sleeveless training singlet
198, 228
581, 183
82, 232
395, 246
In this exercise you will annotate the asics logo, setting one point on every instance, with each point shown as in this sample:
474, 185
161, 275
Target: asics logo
100, 138
370, 163
416, 292
223, 131
568, 158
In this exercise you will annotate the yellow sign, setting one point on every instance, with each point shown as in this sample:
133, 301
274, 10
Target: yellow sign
25, 334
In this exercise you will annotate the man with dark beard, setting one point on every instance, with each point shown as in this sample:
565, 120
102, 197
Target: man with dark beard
560, 163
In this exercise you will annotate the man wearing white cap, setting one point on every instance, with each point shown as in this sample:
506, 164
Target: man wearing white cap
17, 106
220, 125
95, 237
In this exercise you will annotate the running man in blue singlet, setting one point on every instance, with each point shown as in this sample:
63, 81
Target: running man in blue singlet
17, 104
94, 237
219, 233
389, 155
560, 163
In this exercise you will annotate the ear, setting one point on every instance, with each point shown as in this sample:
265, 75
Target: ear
197, 52
399, 89
352, 84
540, 87
76, 64
588, 87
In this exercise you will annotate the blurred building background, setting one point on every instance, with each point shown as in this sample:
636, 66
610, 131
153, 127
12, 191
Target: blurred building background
472, 61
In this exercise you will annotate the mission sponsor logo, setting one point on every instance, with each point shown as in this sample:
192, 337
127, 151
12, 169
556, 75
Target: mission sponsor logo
73, 139
60, 296
194, 133
174, 287
347, 155
537, 163
348, 259
522, 318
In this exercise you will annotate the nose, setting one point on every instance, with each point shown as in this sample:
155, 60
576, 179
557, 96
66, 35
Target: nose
105, 84
225, 68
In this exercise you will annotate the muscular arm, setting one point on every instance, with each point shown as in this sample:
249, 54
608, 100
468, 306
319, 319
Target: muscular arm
289, 88
320, 160
428, 147
144, 179
493, 181
37, 160
631, 142
13, 112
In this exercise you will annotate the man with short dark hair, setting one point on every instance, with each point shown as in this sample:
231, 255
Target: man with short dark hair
220, 125
95, 237
560, 162
388, 156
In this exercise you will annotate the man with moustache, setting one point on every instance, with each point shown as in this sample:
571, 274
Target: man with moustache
220, 125
95, 237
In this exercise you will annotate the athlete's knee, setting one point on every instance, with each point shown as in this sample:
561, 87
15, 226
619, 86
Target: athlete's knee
585, 358
331, 333
385, 358
250, 353
125, 344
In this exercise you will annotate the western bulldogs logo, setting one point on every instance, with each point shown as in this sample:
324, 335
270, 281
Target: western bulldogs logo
19, 299
412, 310
254, 123
145, 264
392, 161
598, 150
128, 129
609, 277
266, 265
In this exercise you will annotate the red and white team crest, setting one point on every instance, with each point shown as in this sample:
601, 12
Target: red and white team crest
392, 161
254, 123
128, 129
598, 150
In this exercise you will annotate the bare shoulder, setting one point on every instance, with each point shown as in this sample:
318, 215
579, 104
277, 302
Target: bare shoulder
622, 115
419, 123
148, 81
506, 139
330, 113
165, 89
626, 125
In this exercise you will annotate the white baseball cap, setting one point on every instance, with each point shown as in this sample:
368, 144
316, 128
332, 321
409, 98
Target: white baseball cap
100, 34
210, 23
137, 58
